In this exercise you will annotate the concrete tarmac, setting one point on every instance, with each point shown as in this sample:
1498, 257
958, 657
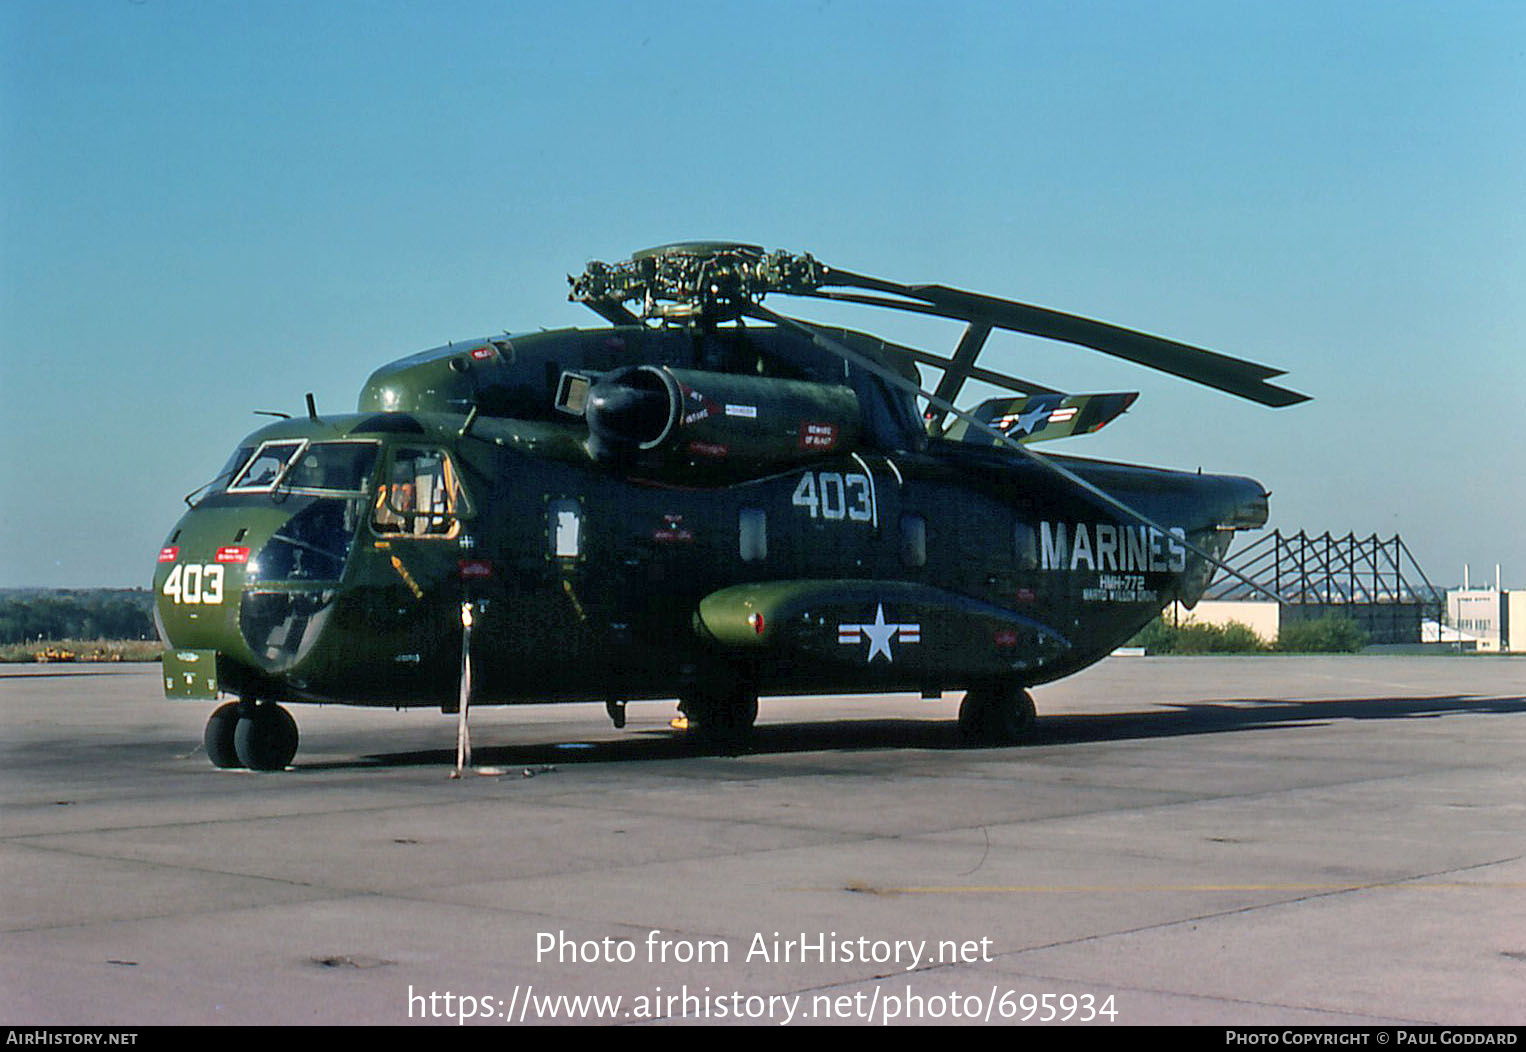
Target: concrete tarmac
1256, 841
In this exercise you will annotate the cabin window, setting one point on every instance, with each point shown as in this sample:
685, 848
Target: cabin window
1026, 546
753, 534
913, 540
566, 528
421, 495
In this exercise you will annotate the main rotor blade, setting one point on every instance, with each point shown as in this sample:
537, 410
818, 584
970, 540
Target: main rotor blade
1236, 376
864, 362
970, 343
936, 361
612, 312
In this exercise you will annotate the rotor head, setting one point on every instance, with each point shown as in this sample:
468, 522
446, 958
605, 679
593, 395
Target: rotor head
710, 281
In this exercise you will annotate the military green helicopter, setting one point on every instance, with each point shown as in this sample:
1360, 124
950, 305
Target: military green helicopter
704, 500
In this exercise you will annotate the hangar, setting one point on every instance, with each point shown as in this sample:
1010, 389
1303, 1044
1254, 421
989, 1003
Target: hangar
1375, 582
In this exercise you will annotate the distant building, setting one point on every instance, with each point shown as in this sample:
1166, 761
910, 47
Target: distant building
1436, 632
1488, 614
1262, 618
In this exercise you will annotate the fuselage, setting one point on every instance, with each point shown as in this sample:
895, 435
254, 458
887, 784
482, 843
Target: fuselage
707, 500
331, 562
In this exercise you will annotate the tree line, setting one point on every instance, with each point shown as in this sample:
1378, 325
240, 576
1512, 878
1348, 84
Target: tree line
88, 613
1330, 634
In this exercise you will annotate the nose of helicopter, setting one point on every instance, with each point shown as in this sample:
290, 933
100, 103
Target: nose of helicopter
202, 571
254, 582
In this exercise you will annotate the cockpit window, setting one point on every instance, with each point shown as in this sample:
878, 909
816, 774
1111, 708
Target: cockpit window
421, 495
239, 458
221, 480
333, 467
267, 465
311, 467
312, 545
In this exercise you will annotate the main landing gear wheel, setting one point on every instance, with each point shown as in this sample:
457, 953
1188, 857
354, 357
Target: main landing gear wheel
218, 737
265, 738
996, 715
721, 717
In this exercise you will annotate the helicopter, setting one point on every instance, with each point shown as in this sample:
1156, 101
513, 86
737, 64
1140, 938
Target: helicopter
703, 499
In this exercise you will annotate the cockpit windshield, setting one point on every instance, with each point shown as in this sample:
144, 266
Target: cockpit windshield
224, 477
333, 467
312, 467
266, 467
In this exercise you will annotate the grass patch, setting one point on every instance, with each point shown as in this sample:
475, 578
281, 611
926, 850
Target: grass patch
82, 650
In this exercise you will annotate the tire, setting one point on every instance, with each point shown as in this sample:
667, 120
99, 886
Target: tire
217, 739
996, 715
972, 719
724, 719
266, 738
1013, 719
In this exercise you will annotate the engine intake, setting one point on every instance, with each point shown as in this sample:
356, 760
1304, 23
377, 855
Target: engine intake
689, 416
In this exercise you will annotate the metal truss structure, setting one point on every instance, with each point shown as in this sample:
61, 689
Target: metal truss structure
1375, 582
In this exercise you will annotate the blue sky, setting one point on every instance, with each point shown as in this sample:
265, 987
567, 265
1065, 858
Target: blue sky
211, 207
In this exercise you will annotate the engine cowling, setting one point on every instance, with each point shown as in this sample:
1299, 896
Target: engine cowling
694, 417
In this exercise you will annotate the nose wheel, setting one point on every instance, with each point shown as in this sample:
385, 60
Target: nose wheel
218, 737
259, 735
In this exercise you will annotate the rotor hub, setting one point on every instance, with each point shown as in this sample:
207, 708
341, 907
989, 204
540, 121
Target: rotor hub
710, 281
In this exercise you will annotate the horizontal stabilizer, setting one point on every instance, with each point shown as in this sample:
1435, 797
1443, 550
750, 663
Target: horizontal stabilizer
1038, 418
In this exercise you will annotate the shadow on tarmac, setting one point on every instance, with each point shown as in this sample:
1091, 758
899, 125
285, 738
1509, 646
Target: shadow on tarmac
1203, 717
